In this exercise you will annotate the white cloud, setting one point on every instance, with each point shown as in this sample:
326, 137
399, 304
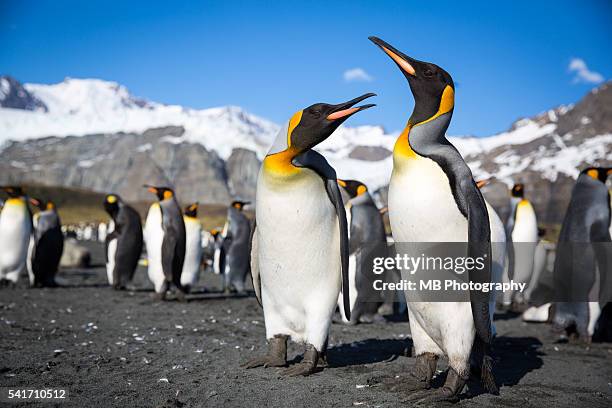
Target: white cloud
356, 74
583, 73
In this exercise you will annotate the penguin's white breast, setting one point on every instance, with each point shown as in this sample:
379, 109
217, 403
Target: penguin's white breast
421, 204
15, 230
298, 239
525, 223
154, 236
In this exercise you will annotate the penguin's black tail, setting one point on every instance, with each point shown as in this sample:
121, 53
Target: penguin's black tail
484, 365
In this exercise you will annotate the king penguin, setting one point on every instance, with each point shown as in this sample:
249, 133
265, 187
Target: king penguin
123, 241
15, 230
582, 273
434, 198
193, 248
522, 226
218, 255
237, 234
367, 239
46, 244
299, 250
165, 241
499, 260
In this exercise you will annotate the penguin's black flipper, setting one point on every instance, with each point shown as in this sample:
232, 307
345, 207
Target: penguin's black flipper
334, 194
255, 266
317, 163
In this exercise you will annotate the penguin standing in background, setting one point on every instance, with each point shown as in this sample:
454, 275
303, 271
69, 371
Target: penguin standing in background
499, 260
299, 252
237, 233
434, 198
15, 231
193, 248
367, 239
123, 241
46, 245
522, 226
165, 240
218, 258
582, 272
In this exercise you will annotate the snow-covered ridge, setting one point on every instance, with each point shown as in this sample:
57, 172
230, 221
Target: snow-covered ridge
87, 106
84, 106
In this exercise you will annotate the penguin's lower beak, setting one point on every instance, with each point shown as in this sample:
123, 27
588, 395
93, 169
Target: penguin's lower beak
482, 183
341, 182
403, 61
344, 110
34, 202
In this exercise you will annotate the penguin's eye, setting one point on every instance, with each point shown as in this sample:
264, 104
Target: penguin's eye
428, 73
316, 114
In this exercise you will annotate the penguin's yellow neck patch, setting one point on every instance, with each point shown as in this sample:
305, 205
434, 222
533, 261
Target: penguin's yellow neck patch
279, 164
593, 174
15, 201
524, 203
402, 148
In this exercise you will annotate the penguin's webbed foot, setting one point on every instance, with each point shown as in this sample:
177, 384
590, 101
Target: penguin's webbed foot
305, 367
276, 357
420, 377
448, 393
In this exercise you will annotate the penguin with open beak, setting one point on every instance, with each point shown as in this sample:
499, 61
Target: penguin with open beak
434, 198
299, 250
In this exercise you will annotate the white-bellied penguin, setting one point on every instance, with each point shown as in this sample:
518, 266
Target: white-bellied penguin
434, 198
299, 253
123, 241
582, 272
522, 226
193, 247
165, 239
15, 230
367, 239
46, 244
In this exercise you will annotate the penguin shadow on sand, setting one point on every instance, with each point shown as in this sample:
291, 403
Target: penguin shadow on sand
367, 351
515, 357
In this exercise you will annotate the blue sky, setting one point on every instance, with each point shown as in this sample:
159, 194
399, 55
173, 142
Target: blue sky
509, 59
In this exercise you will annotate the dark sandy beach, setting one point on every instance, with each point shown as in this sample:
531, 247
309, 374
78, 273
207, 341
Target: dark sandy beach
124, 349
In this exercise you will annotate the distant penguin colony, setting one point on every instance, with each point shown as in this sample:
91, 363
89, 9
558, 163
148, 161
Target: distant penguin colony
46, 244
582, 272
165, 239
434, 198
299, 255
193, 248
123, 241
237, 235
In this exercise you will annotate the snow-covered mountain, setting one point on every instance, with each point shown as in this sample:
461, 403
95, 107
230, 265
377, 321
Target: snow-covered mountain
99, 128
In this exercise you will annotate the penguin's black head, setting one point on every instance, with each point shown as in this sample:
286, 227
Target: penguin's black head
111, 204
598, 173
311, 126
13, 191
192, 210
354, 188
433, 88
518, 190
239, 205
162, 193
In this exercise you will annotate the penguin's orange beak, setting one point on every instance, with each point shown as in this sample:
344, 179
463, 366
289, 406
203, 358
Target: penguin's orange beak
401, 59
345, 109
482, 183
